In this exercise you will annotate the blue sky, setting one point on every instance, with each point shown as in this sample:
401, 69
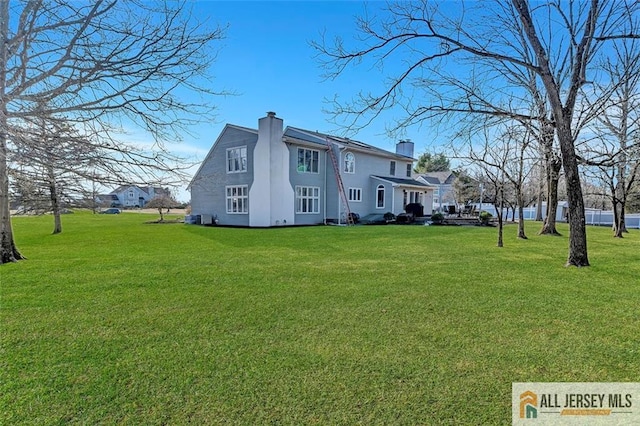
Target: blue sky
267, 60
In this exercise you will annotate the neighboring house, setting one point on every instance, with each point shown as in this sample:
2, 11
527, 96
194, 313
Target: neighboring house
274, 176
132, 195
108, 200
442, 183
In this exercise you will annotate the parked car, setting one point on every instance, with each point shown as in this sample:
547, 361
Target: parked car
110, 211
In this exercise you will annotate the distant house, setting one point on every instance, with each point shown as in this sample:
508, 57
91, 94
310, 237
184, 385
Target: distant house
274, 176
132, 196
442, 184
108, 200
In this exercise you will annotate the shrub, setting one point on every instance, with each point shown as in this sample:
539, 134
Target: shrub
484, 217
437, 218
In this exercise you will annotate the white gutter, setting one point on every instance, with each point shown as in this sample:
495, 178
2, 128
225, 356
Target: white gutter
340, 150
324, 195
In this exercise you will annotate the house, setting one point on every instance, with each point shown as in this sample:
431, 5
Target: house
132, 195
442, 184
273, 176
108, 200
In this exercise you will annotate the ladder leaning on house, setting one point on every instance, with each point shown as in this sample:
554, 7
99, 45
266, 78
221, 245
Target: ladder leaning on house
343, 196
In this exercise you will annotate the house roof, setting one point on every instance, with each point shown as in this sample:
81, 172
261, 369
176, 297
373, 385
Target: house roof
441, 177
146, 189
108, 196
210, 153
401, 181
431, 180
321, 139
313, 138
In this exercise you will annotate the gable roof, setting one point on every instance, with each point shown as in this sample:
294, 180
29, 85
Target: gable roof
158, 190
431, 180
108, 197
439, 177
210, 153
354, 145
295, 134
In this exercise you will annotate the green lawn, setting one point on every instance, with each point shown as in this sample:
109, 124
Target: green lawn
117, 321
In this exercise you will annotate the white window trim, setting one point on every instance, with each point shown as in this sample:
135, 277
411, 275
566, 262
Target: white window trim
378, 188
227, 197
355, 191
246, 161
315, 198
346, 168
312, 151
394, 168
409, 170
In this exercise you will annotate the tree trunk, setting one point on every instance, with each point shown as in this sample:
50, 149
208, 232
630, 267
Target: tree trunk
521, 233
8, 250
540, 196
577, 223
55, 201
553, 164
619, 226
499, 208
619, 197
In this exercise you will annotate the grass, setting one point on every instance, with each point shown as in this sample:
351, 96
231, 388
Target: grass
117, 321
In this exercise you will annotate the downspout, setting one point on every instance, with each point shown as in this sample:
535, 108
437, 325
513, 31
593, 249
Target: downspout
393, 198
339, 171
324, 195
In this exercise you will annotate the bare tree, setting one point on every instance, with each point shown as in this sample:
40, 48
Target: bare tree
102, 66
505, 156
52, 158
563, 38
616, 148
162, 202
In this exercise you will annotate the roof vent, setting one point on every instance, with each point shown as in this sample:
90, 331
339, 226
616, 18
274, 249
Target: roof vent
271, 114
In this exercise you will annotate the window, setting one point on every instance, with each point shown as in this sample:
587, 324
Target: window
307, 160
307, 199
237, 199
349, 163
380, 197
392, 168
355, 194
131, 194
237, 160
412, 197
409, 170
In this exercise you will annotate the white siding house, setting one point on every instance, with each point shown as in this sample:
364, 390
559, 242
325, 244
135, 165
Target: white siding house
274, 176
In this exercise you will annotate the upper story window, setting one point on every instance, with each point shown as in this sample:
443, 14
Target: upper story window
392, 168
349, 163
409, 170
308, 160
237, 159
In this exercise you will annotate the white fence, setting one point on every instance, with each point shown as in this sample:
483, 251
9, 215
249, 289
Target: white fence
592, 216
